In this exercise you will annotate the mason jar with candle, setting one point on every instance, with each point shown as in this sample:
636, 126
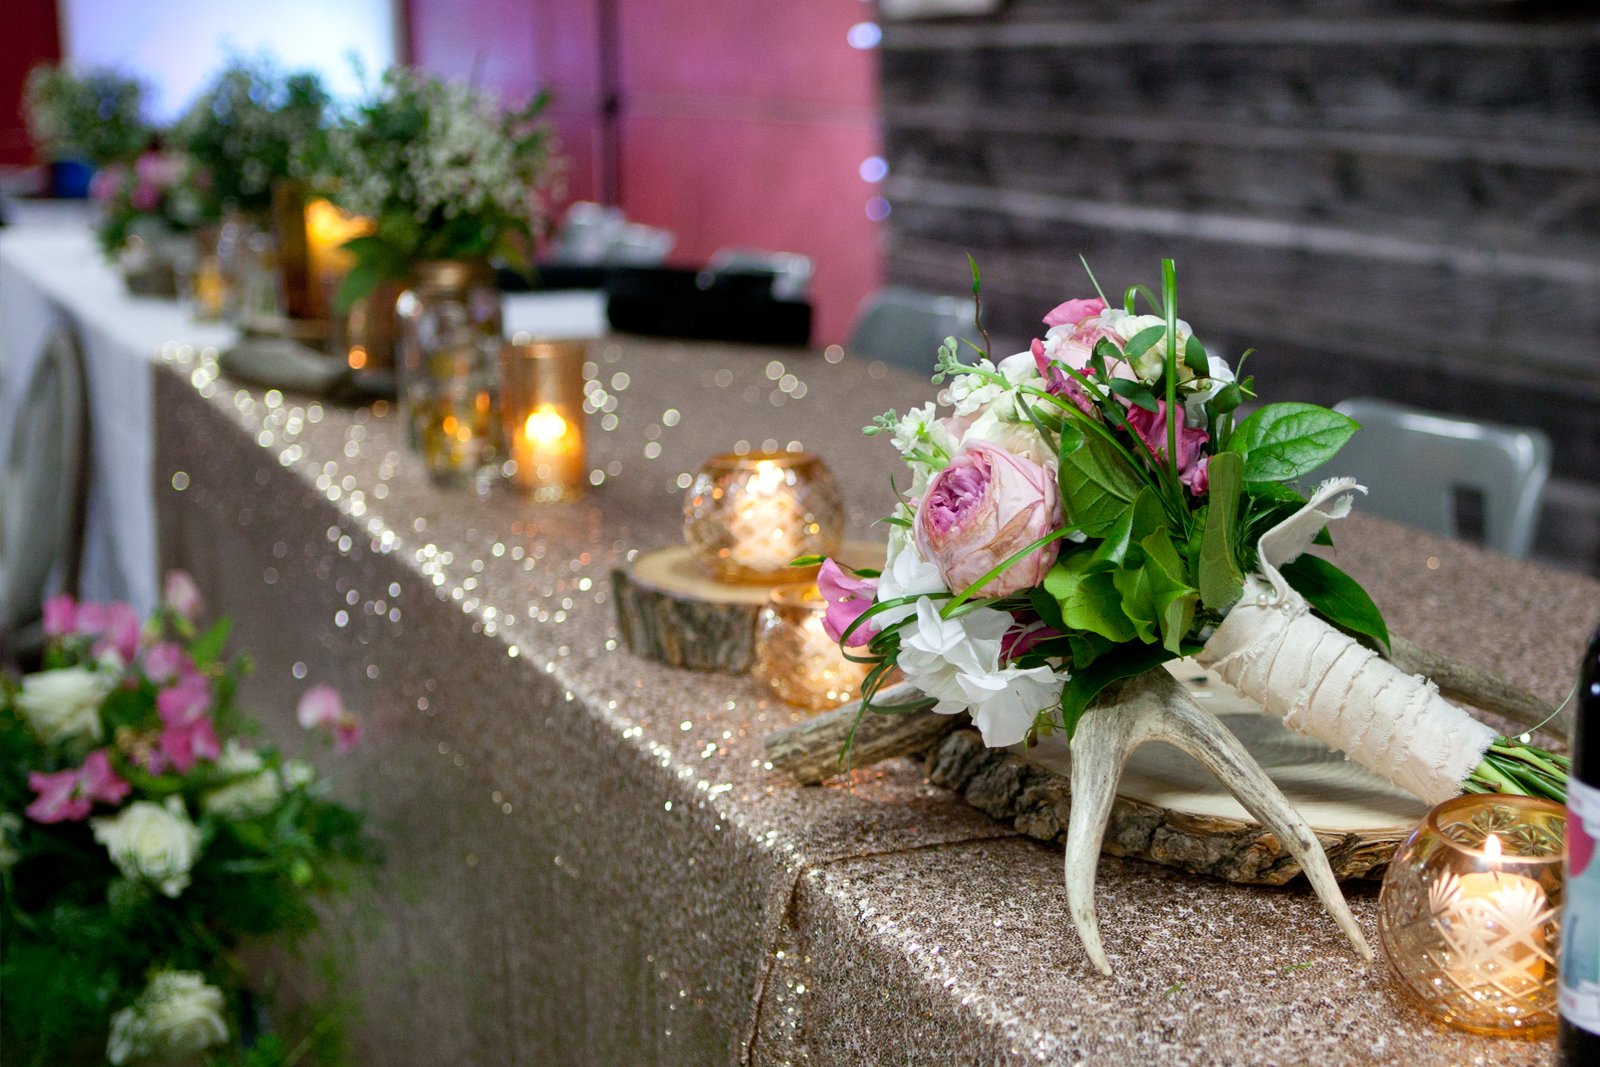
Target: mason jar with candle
448, 374
1470, 913
541, 408
748, 516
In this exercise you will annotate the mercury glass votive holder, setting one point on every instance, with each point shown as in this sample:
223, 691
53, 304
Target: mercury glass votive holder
541, 406
748, 516
1470, 913
796, 657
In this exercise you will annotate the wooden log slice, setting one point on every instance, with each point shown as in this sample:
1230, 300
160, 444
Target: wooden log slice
669, 610
1170, 810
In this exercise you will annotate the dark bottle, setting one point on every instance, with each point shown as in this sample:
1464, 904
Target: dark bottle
1580, 910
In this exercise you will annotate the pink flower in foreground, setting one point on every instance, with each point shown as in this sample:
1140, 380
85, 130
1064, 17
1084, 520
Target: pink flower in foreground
182, 596
105, 183
60, 615
121, 632
323, 708
848, 597
69, 796
983, 508
1151, 426
187, 733
166, 662
1072, 312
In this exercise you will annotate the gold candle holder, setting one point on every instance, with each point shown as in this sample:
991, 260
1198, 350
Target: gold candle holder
796, 657
1470, 913
541, 403
747, 517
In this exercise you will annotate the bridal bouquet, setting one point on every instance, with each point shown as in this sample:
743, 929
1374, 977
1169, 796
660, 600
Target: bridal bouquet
443, 171
143, 840
1085, 510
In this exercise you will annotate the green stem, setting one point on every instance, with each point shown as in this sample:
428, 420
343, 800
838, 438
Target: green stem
1169, 292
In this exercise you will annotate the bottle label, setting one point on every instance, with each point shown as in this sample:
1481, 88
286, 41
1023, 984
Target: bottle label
1580, 910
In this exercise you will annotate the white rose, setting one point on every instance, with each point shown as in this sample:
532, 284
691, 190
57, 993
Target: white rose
147, 840
177, 1016
65, 703
1218, 375
1021, 369
1149, 365
255, 794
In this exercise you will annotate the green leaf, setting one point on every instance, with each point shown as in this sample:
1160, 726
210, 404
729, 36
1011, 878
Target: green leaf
1337, 597
207, 648
1134, 392
1097, 484
1156, 595
1047, 608
1227, 399
1280, 442
1087, 682
1221, 581
1089, 600
1143, 341
1194, 357
1141, 519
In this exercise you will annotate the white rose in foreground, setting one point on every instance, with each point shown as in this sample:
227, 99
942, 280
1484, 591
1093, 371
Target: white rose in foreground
176, 1016
65, 703
1017, 438
147, 840
255, 794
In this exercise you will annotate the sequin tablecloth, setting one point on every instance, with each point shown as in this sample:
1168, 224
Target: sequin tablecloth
588, 862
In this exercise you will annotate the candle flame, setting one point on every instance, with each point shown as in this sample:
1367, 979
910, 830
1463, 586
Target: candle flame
545, 426
1492, 850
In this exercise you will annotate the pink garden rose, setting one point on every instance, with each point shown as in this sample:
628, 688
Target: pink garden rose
69, 796
181, 596
323, 708
1151, 426
848, 598
1072, 312
986, 506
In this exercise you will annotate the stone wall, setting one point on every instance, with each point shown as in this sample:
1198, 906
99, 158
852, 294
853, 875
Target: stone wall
1385, 198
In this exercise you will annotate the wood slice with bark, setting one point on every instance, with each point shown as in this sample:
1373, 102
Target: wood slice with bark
670, 610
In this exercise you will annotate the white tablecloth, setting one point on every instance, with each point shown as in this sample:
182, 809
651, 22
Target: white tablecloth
52, 275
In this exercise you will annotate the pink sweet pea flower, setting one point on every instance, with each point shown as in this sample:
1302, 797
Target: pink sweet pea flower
59, 799
60, 615
105, 183
69, 796
92, 618
182, 596
323, 708
1073, 312
166, 662
982, 509
848, 598
1151, 426
120, 633
187, 733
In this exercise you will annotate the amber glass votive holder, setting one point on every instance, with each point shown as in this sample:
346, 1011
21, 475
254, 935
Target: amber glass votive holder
796, 657
748, 516
541, 405
1470, 913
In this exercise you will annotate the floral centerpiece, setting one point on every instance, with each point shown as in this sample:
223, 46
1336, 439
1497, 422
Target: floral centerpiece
151, 197
96, 116
1093, 507
444, 172
246, 131
144, 840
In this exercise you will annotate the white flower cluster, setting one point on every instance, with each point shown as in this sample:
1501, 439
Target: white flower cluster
153, 842
461, 157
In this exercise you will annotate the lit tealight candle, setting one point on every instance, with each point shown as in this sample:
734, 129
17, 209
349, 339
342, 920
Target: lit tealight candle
796, 657
1502, 916
541, 401
327, 262
748, 517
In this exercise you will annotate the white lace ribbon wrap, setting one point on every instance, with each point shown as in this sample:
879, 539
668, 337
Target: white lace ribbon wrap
1322, 683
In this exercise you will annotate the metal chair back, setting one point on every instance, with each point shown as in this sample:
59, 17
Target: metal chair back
906, 326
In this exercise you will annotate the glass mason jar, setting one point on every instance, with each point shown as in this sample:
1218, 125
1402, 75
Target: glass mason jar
247, 258
449, 347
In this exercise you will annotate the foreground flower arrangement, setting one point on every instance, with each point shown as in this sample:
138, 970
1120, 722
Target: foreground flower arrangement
143, 842
1091, 508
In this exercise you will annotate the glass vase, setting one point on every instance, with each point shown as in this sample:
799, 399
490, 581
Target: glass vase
449, 347
1470, 913
796, 657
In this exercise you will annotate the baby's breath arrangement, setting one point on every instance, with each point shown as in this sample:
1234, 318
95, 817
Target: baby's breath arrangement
443, 171
246, 130
95, 115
